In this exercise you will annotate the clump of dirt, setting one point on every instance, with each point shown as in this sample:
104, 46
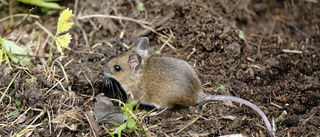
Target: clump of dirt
276, 66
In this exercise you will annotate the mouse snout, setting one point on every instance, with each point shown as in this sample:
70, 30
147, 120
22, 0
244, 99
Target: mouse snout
106, 69
112, 88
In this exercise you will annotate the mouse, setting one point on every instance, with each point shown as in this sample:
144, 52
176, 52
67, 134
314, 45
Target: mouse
163, 81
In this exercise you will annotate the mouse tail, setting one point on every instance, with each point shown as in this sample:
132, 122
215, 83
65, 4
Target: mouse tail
246, 102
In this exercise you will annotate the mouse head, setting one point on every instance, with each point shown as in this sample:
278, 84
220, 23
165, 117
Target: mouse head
127, 67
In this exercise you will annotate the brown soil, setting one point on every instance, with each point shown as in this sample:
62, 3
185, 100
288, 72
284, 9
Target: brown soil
277, 66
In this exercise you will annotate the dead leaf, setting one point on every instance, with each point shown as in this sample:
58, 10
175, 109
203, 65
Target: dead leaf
105, 111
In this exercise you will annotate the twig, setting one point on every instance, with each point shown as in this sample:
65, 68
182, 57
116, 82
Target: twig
42, 111
45, 82
258, 53
45, 29
53, 86
167, 43
154, 31
189, 124
234, 6
292, 51
113, 17
93, 125
119, 101
157, 113
164, 44
304, 121
138, 121
63, 70
5, 92
25, 112
75, 7
296, 28
278, 106
41, 51
273, 25
31, 10
83, 33
69, 62
49, 117
17, 54
94, 92
165, 19
20, 15
193, 51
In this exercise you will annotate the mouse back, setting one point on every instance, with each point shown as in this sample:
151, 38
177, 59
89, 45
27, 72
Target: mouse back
170, 82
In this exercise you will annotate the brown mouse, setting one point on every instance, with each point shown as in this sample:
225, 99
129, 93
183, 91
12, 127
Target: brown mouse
163, 81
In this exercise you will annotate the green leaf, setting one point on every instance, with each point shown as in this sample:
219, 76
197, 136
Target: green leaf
14, 113
12, 47
1, 51
119, 129
241, 35
219, 87
124, 108
108, 131
43, 3
63, 42
7, 60
18, 102
66, 21
141, 7
1, 54
131, 124
125, 45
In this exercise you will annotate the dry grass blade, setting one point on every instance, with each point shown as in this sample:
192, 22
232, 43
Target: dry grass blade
292, 51
5, 92
30, 128
189, 124
45, 29
166, 43
114, 17
93, 124
21, 116
20, 15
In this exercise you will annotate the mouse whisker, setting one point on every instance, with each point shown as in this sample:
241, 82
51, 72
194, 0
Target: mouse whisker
103, 84
111, 85
119, 92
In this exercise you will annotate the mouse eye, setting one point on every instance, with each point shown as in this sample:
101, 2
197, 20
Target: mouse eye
117, 67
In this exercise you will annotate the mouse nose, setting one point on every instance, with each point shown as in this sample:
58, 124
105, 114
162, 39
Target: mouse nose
106, 69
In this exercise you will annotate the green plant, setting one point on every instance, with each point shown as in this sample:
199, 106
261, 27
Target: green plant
129, 124
220, 86
65, 22
241, 35
8, 48
43, 3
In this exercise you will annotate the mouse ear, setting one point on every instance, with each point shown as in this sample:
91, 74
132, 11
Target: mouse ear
135, 61
141, 45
